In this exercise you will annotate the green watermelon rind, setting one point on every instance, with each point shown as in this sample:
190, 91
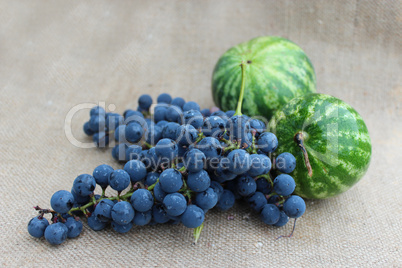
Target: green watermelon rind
277, 70
337, 142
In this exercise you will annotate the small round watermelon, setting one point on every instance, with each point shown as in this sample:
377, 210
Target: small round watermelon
330, 141
277, 70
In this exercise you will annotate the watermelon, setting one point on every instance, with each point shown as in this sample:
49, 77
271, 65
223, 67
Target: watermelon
330, 141
277, 70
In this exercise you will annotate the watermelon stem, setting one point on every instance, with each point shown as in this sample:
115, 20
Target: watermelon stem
243, 86
299, 140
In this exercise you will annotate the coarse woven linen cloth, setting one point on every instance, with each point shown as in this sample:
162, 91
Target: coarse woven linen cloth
58, 56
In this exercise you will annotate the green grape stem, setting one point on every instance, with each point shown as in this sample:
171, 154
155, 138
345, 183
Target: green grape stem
94, 202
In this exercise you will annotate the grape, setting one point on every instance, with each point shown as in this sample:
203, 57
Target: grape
263, 185
285, 162
270, 214
162, 123
119, 179
87, 129
257, 201
179, 102
213, 126
120, 228
142, 218
186, 134
74, 227
101, 174
206, 112
198, 181
95, 224
79, 198
142, 200
119, 152
174, 219
169, 130
160, 112
135, 117
283, 219
226, 201
151, 178
257, 125
153, 135
181, 152
133, 152
101, 139
210, 147
136, 170
221, 114
62, 201
294, 206
97, 110
120, 133
97, 123
159, 194
149, 158
144, 102
164, 98
114, 120
129, 112
239, 161
267, 142
230, 113
284, 185
134, 132
103, 210
194, 118
170, 180
192, 217
223, 171
246, 186
232, 186
218, 189
149, 123
37, 226
260, 164
238, 126
159, 215
175, 204
166, 149
122, 212
174, 114
56, 233
194, 160
179, 165
215, 177
273, 199
191, 105
206, 199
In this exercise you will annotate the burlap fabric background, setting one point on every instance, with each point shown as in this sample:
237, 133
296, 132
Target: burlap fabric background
55, 55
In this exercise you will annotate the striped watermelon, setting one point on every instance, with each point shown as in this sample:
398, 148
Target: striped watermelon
336, 140
277, 70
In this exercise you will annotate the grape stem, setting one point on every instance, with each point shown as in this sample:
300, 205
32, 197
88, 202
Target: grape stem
299, 141
290, 235
94, 202
243, 86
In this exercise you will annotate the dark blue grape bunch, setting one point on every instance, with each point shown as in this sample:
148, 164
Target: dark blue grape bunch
177, 163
